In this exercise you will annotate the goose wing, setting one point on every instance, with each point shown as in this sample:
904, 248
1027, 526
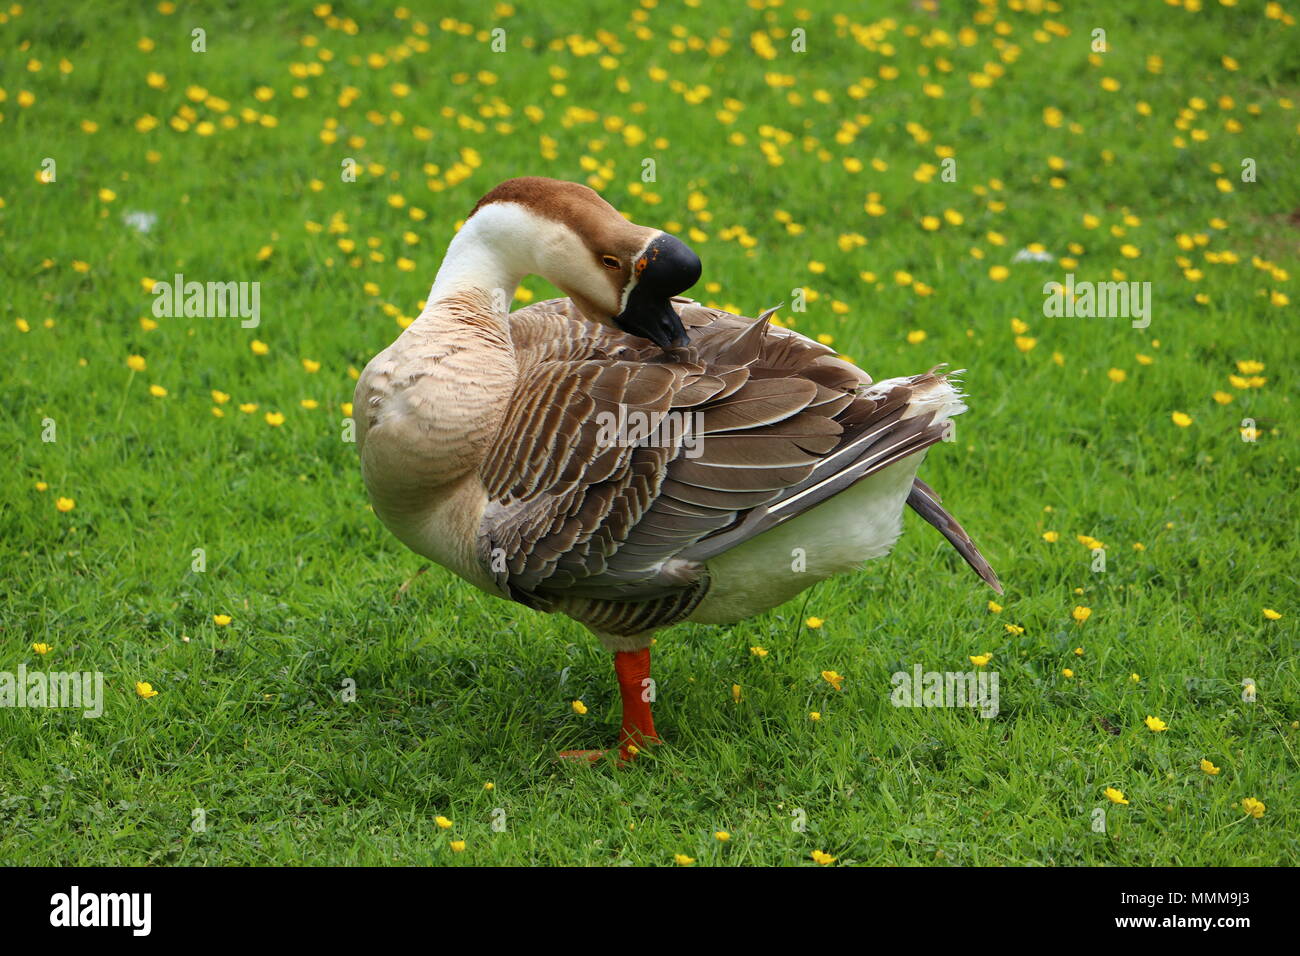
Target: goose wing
618, 471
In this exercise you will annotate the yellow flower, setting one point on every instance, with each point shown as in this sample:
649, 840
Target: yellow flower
310, 366
815, 715
443, 823
758, 651
275, 419
1223, 398
1155, 724
157, 391
1115, 796
916, 336
998, 273
579, 707
259, 347
981, 660
248, 407
995, 607
1117, 375
681, 859
735, 693
489, 785
1051, 537
1081, 613
107, 195
1025, 343
1271, 614
1181, 419
145, 689
1253, 807
722, 836
221, 620
1250, 367
41, 648
457, 846
1209, 768
1078, 652
1014, 629
42, 486
822, 859
135, 363
1134, 678
834, 679
814, 622
65, 504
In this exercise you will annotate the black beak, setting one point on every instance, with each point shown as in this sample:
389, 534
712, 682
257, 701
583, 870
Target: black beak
667, 268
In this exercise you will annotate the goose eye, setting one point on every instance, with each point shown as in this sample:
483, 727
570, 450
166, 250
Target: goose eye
611, 262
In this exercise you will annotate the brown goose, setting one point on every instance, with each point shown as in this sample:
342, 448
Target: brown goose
627, 457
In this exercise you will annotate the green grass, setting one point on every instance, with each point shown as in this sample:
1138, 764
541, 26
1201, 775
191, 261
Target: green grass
455, 689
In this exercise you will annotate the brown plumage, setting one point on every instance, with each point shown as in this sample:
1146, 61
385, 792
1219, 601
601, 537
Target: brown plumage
615, 536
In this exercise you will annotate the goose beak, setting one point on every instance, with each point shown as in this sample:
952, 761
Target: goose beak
666, 268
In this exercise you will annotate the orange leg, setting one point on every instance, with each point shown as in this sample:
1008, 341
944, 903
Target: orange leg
633, 670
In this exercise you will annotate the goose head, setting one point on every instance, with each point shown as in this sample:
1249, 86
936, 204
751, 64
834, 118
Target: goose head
619, 274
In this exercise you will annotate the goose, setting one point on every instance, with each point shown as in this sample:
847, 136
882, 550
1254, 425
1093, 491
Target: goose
626, 456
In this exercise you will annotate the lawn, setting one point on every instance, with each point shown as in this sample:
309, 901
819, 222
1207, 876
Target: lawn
182, 508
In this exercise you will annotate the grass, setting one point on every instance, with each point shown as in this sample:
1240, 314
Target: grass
455, 690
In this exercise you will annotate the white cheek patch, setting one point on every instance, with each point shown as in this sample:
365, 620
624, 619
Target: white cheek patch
636, 274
